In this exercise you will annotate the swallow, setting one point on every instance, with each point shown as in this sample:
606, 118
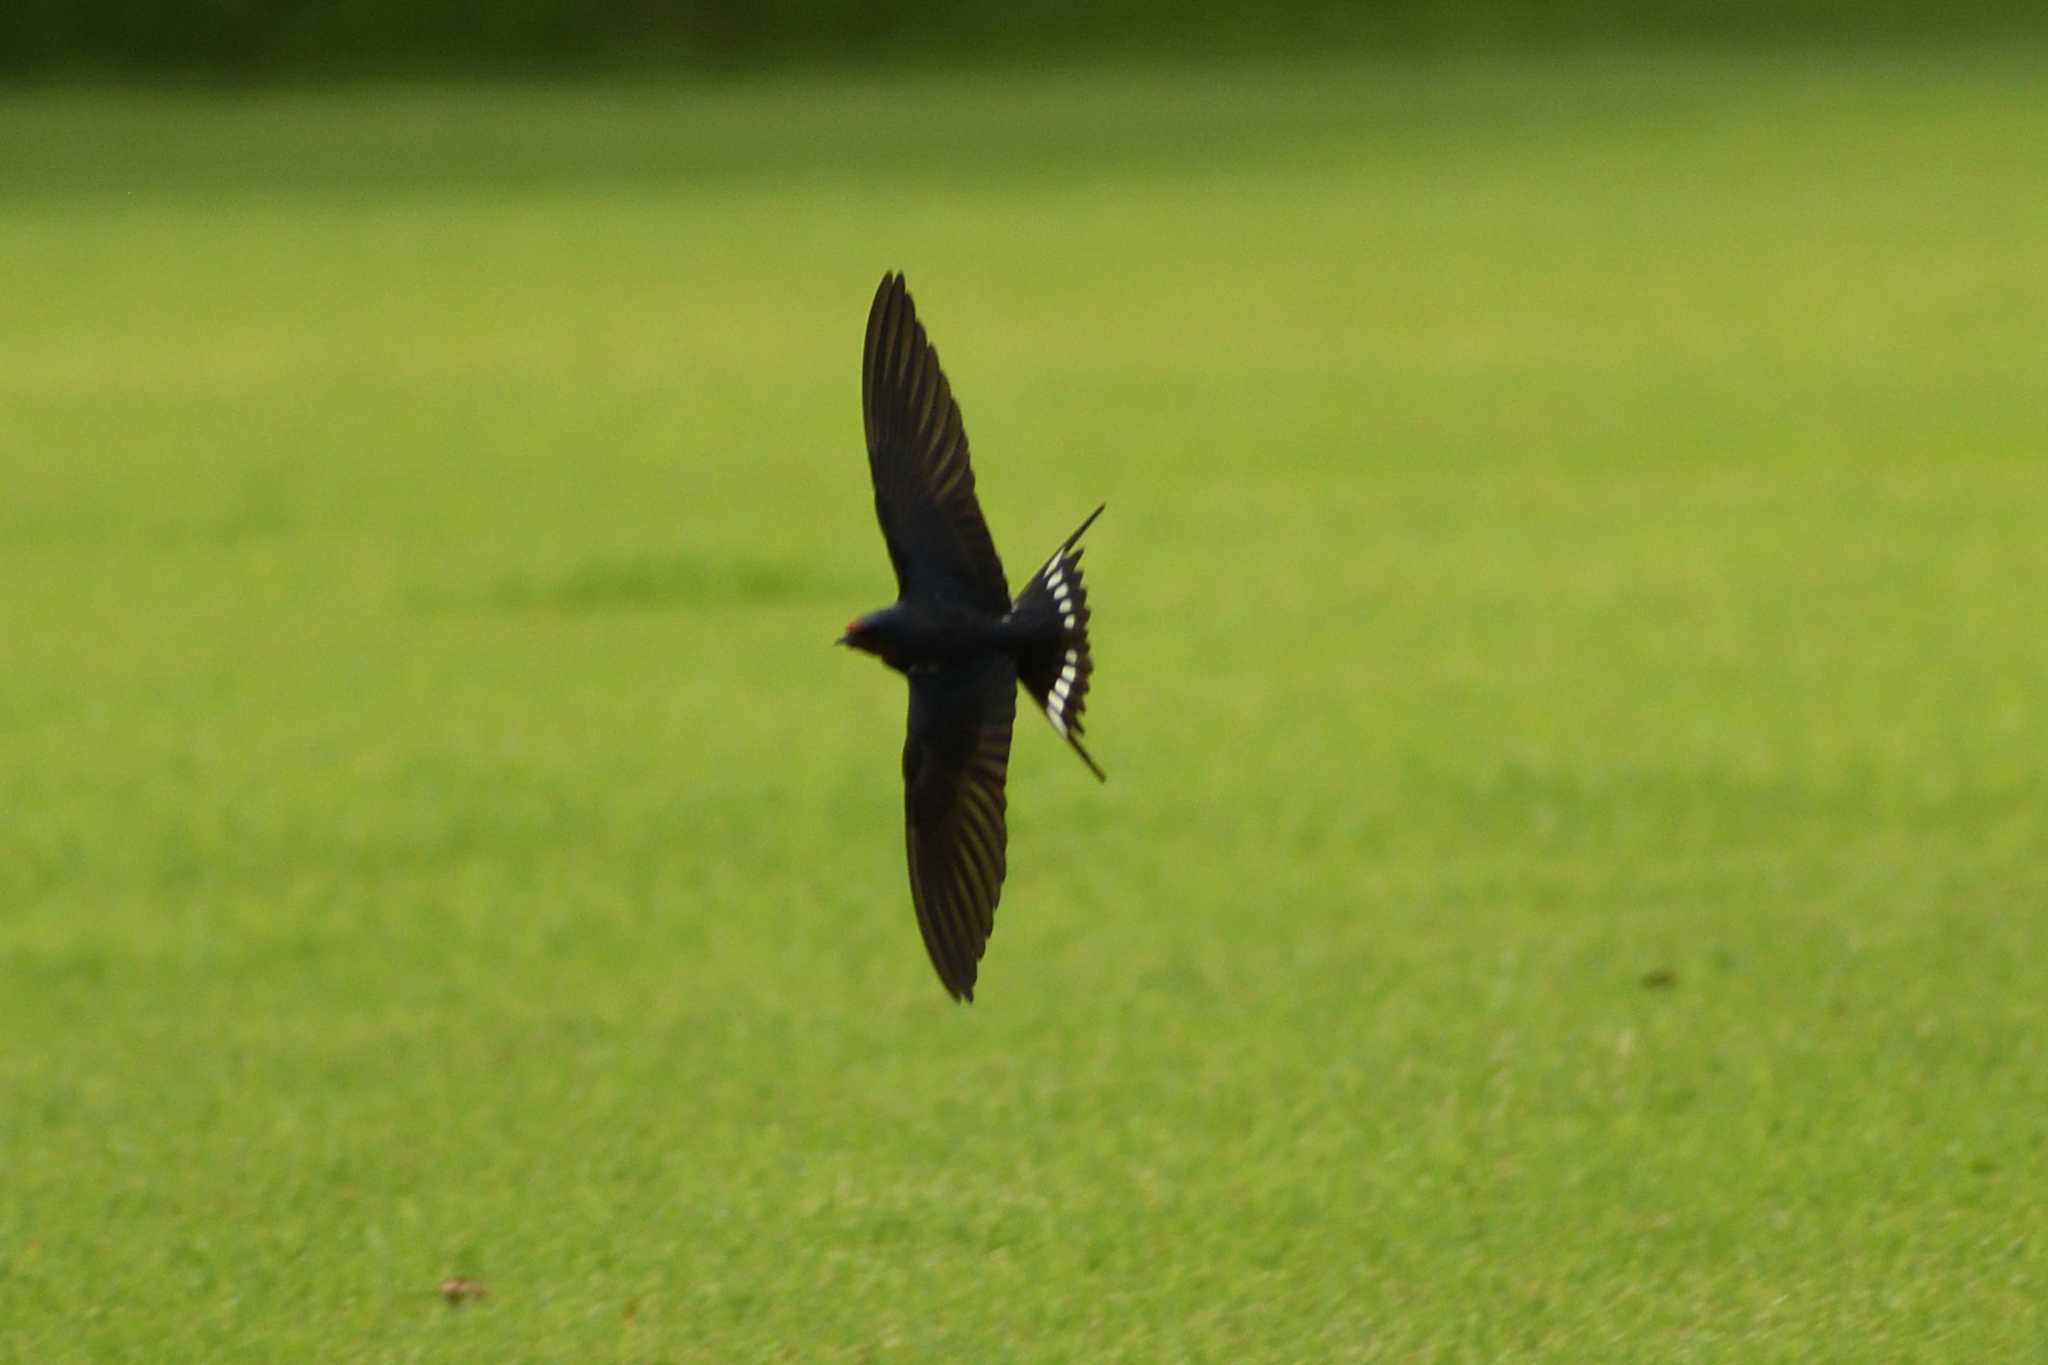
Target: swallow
962, 642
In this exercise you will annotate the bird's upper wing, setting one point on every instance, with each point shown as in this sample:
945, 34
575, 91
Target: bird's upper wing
955, 761
917, 453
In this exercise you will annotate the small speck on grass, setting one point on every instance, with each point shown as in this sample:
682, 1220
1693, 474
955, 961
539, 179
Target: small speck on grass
457, 1290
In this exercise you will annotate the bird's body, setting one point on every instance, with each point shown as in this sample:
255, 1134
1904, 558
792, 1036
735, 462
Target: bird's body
908, 636
954, 631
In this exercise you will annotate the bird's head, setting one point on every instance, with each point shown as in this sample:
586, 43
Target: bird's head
873, 634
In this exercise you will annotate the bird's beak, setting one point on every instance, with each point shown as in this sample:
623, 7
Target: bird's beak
843, 640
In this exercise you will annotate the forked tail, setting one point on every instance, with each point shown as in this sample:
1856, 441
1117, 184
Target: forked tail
1056, 665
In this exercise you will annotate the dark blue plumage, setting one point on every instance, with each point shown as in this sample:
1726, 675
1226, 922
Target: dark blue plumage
959, 638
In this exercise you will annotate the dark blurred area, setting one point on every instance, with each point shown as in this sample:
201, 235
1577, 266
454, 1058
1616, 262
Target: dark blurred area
254, 38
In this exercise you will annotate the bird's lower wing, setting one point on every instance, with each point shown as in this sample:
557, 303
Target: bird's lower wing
956, 760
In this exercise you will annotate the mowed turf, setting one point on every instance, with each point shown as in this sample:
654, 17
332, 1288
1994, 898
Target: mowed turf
1573, 875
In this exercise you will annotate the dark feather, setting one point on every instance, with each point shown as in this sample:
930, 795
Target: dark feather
917, 453
1057, 667
955, 761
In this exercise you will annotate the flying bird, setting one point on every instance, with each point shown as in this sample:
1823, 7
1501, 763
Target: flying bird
959, 638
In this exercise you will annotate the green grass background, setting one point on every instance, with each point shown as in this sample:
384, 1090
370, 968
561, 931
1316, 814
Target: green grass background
1569, 523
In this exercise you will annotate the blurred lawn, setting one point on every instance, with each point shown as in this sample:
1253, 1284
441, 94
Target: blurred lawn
1572, 880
